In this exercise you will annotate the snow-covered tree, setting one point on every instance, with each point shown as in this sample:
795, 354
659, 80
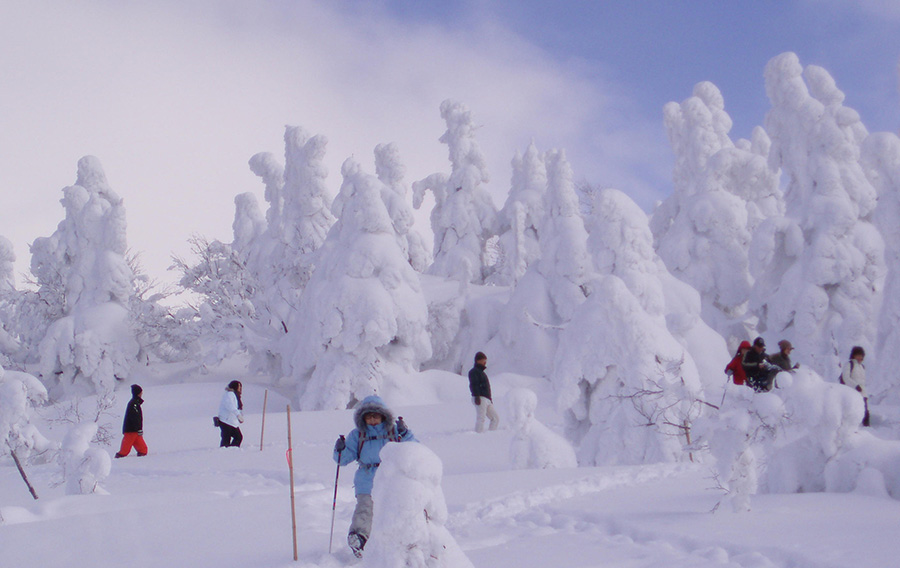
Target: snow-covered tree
534, 445
702, 231
8, 343
630, 365
881, 160
81, 269
819, 270
464, 217
390, 170
363, 315
553, 287
409, 524
20, 393
519, 220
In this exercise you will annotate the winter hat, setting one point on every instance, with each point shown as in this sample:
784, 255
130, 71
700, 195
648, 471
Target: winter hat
480, 356
744, 345
784, 344
136, 390
759, 341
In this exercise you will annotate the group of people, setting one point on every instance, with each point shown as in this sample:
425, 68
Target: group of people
229, 419
753, 367
375, 426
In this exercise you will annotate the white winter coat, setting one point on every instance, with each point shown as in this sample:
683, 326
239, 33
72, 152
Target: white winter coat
854, 375
228, 410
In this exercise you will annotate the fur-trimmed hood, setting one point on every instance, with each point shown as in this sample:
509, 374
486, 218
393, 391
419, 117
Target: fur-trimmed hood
372, 404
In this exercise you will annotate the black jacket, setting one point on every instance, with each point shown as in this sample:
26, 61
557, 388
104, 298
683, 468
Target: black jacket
479, 385
134, 416
755, 364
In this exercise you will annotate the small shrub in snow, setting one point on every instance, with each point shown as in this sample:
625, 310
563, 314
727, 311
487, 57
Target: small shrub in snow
410, 513
534, 445
83, 466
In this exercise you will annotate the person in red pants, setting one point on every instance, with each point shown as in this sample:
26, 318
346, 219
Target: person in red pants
133, 427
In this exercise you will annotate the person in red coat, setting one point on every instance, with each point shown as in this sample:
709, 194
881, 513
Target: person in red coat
735, 369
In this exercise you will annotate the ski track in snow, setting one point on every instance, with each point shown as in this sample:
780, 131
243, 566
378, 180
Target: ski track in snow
540, 513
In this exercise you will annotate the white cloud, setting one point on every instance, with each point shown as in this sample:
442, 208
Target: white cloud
175, 97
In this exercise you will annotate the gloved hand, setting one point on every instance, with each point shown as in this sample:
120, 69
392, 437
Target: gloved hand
401, 427
340, 445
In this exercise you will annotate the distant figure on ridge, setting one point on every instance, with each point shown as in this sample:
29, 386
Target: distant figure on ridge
133, 425
480, 387
854, 376
231, 415
375, 427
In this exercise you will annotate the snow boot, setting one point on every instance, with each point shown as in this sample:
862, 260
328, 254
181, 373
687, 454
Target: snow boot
357, 542
118, 455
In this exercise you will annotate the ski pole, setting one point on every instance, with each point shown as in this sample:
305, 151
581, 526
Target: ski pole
334, 501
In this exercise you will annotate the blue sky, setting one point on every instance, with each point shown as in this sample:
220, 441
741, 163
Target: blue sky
174, 97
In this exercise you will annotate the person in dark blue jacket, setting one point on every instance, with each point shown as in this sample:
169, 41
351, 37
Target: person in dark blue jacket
375, 427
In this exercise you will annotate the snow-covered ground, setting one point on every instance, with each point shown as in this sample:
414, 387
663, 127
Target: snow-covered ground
191, 504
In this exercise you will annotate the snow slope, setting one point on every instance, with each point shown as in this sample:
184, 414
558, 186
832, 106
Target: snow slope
191, 504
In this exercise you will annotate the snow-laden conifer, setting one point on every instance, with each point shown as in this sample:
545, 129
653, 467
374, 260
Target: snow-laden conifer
82, 268
464, 217
363, 315
702, 231
390, 170
519, 220
818, 270
881, 160
534, 446
553, 287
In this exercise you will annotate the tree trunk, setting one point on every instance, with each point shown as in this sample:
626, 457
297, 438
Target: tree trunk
22, 471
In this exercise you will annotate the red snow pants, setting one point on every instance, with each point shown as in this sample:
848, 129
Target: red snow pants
133, 439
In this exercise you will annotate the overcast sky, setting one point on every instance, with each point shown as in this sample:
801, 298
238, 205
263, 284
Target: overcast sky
174, 97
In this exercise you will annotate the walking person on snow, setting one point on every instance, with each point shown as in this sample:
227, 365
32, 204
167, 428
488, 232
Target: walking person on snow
133, 425
480, 387
231, 415
854, 376
375, 427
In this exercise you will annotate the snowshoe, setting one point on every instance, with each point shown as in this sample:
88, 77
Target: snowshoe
357, 542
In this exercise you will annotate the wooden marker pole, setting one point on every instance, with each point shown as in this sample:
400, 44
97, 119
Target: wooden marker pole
290, 458
262, 431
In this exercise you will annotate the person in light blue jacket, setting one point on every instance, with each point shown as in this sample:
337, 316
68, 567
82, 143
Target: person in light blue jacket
375, 427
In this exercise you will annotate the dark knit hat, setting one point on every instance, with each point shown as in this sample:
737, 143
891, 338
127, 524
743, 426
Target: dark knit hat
479, 356
759, 341
136, 390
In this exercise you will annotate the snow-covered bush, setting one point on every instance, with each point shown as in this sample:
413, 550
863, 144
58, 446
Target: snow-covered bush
363, 315
464, 217
798, 438
82, 269
819, 270
8, 343
408, 526
83, 466
534, 446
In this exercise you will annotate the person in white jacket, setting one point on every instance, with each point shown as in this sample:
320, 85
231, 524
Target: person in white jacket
231, 415
854, 376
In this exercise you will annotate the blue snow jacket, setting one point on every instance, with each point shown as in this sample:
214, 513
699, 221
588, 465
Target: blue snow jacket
364, 442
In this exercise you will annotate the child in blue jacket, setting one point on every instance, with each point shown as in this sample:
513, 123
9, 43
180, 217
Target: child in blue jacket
375, 427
